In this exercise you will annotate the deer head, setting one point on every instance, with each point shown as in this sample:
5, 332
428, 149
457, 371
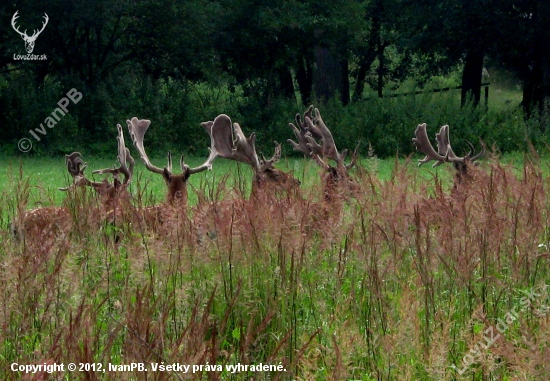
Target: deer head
232, 144
445, 153
110, 191
176, 183
50, 220
315, 140
29, 40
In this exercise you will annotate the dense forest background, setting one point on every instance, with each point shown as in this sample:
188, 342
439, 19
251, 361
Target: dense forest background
179, 63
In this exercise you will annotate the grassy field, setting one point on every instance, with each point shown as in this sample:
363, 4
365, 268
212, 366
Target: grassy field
410, 280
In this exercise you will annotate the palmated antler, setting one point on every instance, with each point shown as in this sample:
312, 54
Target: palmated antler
444, 152
138, 128
126, 161
316, 141
232, 144
176, 182
75, 167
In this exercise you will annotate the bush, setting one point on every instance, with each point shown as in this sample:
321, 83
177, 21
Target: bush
176, 109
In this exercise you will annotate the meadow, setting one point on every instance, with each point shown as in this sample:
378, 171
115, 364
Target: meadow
410, 280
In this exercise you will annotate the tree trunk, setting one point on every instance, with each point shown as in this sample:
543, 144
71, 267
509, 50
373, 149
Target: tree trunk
536, 88
286, 85
327, 74
380, 72
471, 77
330, 73
364, 67
344, 90
370, 51
304, 78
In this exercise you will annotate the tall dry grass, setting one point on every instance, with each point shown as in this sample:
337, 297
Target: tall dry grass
398, 283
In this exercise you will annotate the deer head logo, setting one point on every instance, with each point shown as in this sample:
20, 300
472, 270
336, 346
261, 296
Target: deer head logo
29, 40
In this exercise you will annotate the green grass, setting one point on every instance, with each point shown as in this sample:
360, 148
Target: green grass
398, 283
47, 174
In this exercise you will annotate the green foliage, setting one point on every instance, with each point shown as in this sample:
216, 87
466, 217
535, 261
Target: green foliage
180, 64
176, 110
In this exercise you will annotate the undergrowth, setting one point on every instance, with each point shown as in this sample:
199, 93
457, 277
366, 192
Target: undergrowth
401, 282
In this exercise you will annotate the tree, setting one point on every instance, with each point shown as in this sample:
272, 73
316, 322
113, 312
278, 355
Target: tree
525, 48
453, 32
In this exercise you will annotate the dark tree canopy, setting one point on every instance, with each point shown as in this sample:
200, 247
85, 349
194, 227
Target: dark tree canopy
279, 49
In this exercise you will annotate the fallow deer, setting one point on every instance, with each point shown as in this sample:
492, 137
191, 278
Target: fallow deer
55, 220
316, 141
115, 196
445, 153
51, 220
176, 183
273, 191
232, 144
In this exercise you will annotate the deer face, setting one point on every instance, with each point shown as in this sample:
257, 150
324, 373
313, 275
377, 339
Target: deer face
177, 186
176, 183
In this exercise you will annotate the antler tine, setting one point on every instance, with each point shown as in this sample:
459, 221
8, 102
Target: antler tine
302, 137
46, 19
184, 167
137, 129
472, 156
13, 20
169, 162
266, 164
472, 150
317, 127
36, 32
480, 154
423, 145
130, 167
443, 142
307, 114
302, 132
124, 159
245, 147
207, 165
353, 158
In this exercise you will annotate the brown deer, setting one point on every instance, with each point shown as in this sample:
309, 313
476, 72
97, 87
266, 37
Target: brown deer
273, 194
445, 153
232, 144
176, 183
55, 220
315, 140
